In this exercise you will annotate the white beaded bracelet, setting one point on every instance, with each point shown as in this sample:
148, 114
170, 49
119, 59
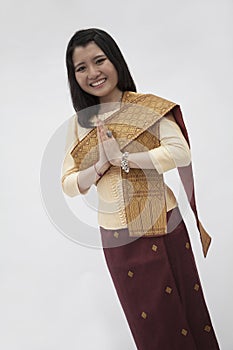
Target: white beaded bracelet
124, 162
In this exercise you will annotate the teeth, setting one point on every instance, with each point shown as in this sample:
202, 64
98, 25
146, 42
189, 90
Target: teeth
98, 82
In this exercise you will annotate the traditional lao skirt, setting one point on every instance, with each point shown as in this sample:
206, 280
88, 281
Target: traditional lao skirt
158, 286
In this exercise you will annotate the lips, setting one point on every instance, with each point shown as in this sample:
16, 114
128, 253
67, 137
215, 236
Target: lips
98, 82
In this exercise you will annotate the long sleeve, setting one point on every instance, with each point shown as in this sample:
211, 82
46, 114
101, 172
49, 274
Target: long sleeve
173, 150
69, 171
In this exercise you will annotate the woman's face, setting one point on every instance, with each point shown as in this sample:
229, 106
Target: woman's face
95, 73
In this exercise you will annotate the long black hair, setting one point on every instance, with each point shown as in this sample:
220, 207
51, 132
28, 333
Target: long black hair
82, 100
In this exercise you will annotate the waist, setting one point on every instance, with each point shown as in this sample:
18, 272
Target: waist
112, 238
111, 206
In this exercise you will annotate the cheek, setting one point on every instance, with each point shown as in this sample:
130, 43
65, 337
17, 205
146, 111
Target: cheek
113, 73
116, 76
111, 70
79, 79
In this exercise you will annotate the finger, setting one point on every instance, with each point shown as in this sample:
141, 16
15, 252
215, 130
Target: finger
103, 130
100, 126
99, 135
102, 136
100, 130
103, 133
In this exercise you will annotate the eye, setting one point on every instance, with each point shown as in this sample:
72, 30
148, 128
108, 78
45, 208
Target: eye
100, 60
80, 69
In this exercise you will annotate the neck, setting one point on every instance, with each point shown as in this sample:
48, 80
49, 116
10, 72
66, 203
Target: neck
116, 96
111, 103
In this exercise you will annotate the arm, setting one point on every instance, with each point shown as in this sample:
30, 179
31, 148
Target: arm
78, 182
173, 151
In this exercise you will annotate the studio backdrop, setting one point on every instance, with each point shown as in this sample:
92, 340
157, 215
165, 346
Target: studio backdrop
55, 290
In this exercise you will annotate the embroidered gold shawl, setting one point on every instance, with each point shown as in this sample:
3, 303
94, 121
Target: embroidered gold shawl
136, 129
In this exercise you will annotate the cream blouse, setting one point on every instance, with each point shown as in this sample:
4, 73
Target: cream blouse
173, 152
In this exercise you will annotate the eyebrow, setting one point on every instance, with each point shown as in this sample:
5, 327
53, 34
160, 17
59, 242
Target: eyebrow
80, 63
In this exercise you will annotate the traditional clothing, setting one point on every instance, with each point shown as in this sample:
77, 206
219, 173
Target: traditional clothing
155, 275
157, 283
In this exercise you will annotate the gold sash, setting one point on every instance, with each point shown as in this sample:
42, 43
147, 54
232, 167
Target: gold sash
136, 129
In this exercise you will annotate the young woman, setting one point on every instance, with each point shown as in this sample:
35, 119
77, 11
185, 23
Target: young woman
123, 142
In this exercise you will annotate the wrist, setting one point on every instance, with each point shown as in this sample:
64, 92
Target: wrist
101, 168
117, 161
98, 172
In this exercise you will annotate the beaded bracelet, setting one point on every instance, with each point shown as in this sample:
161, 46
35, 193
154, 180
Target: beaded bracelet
125, 162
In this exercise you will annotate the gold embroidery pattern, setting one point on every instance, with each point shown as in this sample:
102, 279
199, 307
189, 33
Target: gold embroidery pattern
130, 274
85, 152
196, 287
207, 328
116, 234
136, 129
138, 114
145, 205
187, 245
184, 332
150, 101
205, 238
168, 290
144, 315
154, 247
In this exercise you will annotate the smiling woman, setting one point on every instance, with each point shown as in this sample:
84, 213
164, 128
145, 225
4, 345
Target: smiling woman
101, 42
95, 73
125, 152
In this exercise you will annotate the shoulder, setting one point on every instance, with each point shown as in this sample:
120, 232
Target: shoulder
157, 103
81, 131
130, 95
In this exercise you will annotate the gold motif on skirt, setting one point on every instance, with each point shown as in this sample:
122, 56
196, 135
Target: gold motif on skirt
207, 328
116, 234
187, 245
154, 247
144, 315
184, 332
168, 290
196, 287
130, 274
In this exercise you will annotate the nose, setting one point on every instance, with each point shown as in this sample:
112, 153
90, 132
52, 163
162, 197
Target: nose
93, 72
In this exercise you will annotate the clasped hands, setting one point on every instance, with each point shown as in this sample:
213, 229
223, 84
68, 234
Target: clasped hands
109, 150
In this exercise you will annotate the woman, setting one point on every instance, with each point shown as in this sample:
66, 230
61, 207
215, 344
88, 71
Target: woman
123, 142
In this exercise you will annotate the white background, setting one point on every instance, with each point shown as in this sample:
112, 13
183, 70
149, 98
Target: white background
54, 293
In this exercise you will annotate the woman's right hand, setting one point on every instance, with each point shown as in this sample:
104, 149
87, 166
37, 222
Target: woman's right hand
102, 164
89, 176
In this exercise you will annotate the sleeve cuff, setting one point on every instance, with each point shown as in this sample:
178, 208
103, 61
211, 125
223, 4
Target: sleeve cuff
70, 185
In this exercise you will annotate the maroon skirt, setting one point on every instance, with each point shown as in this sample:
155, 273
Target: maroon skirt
158, 286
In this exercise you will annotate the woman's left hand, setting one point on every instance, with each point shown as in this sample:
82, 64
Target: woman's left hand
110, 145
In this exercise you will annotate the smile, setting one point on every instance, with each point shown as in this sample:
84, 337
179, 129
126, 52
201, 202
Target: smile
97, 83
